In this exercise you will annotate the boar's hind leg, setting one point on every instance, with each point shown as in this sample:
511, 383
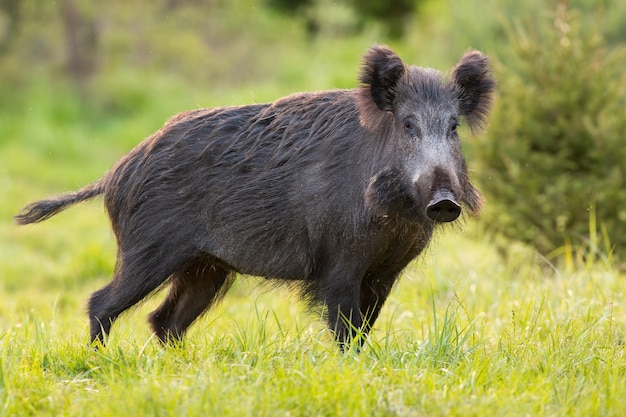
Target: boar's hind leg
193, 290
136, 276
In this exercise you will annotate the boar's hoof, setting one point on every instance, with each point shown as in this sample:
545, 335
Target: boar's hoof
443, 207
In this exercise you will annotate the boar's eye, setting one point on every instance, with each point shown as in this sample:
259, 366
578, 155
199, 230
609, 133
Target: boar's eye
453, 126
410, 127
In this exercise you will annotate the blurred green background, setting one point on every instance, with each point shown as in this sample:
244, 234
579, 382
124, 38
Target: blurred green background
82, 82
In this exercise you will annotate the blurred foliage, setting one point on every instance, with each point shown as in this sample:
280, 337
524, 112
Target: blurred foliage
198, 40
350, 15
553, 164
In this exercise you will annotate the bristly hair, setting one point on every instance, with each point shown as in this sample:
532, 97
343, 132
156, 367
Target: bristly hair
475, 85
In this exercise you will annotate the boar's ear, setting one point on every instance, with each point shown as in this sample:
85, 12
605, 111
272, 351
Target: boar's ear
381, 71
474, 84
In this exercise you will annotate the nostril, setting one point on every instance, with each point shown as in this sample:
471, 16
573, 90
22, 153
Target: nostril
443, 207
443, 211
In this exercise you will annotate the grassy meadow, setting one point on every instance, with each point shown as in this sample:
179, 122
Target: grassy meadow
469, 330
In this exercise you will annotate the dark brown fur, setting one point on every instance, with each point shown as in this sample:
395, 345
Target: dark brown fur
328, 189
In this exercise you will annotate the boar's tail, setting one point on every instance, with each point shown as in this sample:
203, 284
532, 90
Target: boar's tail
44, 209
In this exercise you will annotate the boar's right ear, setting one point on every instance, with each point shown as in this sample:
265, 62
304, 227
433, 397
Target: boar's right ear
382, 69
474, 84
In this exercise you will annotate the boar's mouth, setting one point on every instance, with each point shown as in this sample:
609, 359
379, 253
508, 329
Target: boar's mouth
386, 195
443, 207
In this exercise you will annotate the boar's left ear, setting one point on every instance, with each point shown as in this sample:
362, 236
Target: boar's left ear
474, 84
382, 69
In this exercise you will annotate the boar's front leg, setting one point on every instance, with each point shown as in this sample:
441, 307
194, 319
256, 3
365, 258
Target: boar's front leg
375, 289
340, 292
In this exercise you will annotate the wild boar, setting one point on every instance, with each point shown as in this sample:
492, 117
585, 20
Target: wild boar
338, 189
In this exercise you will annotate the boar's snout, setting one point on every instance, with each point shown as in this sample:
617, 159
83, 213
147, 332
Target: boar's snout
443, 207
